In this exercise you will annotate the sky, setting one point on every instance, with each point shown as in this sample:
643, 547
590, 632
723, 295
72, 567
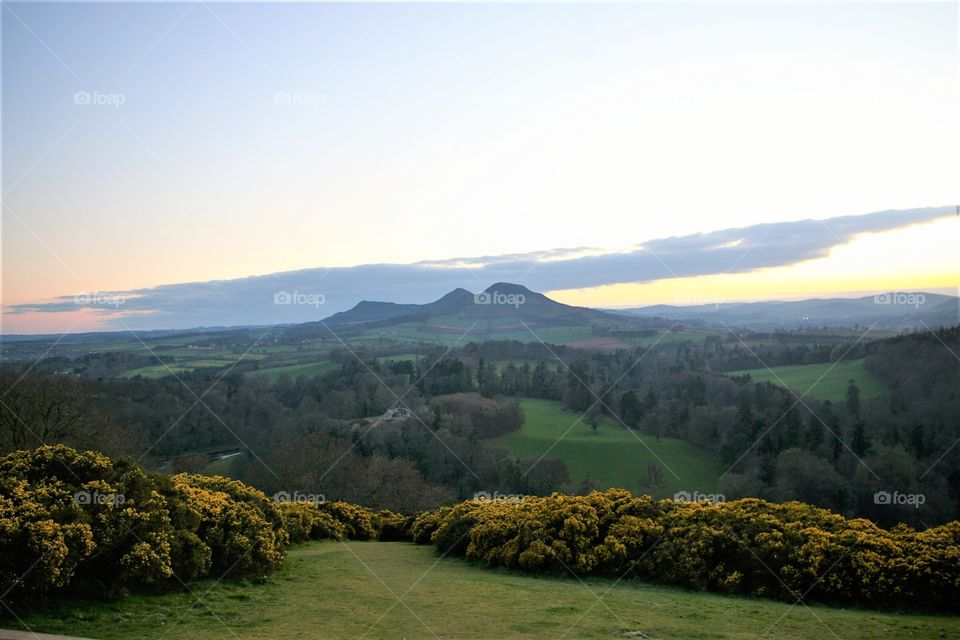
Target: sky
151, 147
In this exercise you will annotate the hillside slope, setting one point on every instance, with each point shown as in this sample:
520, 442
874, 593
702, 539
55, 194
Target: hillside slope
350, 590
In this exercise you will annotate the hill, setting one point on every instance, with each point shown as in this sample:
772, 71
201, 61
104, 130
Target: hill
502, 303
890, 310
501, 311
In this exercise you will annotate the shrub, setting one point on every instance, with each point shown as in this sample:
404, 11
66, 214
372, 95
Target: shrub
86, 522
150, 530
242, 537
748, 546
304, 521
426, 523
358, 521
392, 526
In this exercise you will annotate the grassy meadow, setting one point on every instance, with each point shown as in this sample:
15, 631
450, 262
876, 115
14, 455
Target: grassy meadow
398, 590
611, 457
826, 381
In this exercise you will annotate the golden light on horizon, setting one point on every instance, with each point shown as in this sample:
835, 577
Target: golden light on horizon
912, 258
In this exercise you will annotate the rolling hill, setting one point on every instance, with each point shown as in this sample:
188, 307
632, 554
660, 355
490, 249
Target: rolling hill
891, 310
502, 311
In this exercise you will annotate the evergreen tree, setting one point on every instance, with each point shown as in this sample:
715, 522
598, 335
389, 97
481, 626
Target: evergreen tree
858, 441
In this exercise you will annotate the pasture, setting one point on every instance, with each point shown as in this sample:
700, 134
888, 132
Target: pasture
611, 457
399, 590
825, 381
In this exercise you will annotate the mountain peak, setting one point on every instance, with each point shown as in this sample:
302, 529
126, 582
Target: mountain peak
509, 288
459, 292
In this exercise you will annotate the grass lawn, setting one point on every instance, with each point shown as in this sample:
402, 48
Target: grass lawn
611, 457
160, 371
219, 467
398, 590
294, 370
803, 379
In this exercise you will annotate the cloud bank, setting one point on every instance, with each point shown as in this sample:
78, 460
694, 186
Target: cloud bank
313, 294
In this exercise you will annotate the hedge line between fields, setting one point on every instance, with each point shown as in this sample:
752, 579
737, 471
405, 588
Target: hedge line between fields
74, 521
783, 551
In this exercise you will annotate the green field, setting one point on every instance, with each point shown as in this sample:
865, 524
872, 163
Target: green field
160, 370
611, 457
833, 386
398, 590
219, 467
414, 332
294, 370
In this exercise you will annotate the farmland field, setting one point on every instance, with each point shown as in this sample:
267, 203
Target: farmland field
826, 381
398, 590
294, 370
458, 332
611, 457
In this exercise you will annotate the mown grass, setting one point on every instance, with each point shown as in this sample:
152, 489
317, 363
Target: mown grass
294, 370
806, 379
398, 590
611, 457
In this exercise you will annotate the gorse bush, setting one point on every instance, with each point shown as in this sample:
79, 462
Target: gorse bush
240, 525
785, 551
72, 520
304, 521
81, 521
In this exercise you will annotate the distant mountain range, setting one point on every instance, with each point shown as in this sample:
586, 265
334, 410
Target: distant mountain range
894, 310
502, 305
511, 311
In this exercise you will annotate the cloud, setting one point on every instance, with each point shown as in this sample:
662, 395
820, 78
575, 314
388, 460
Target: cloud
313, 294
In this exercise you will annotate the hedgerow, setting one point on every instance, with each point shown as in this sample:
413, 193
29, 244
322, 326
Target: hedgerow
81, 521
145, 530
784, 551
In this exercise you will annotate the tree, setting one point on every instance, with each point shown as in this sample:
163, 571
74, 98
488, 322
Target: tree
42, 409
814, 435
649, 402
630, 409
917, 441
578, 396
801, 475
593, 417
853, 399
652, 481
858, 441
